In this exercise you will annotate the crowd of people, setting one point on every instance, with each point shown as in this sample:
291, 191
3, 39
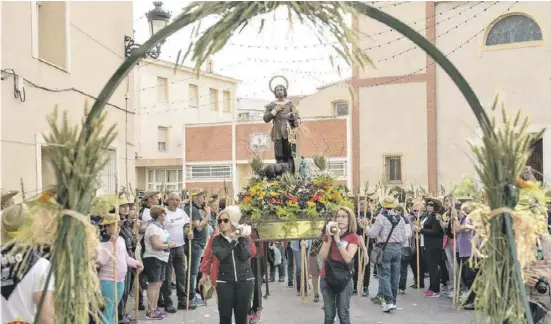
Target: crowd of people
431, 236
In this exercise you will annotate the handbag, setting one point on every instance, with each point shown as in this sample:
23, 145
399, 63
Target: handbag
337, 273
377, 253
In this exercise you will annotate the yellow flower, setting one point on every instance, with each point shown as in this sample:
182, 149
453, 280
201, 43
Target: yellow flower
274, 194
311, 204
292, 203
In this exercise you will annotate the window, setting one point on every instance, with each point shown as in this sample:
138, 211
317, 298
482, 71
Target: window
338, 168
162, 89
108, 176
227, 101
213, 99
393, 168
243, 116
208, 172
514, 29
162, 138
168, 180
51, 33
193, 96
48, 172
341, 108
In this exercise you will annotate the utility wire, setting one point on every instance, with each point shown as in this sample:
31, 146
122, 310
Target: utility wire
12, 73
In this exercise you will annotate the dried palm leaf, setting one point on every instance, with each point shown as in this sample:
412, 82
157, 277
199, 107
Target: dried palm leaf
501, 159
235, 16
320, 161
256, 164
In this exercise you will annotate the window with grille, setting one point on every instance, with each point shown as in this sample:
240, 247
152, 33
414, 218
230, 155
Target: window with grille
514, 29
108, 176
165, 180
227, 101
213, 99
162, 138
193, 96
341, 108
393, 168
338, 168
162, 89
208, 172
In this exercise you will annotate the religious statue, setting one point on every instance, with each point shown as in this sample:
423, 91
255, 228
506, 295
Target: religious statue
284, 116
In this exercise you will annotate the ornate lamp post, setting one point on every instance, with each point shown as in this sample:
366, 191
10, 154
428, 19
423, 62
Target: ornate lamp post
158, 19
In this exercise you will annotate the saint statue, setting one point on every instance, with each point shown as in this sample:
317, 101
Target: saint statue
284, 116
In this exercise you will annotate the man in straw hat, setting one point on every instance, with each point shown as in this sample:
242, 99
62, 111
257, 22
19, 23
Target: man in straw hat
7, 198
389, 231
200, 217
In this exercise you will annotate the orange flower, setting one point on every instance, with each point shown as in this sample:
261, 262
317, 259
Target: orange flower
336, 196
45, 196
524, 184
247, 199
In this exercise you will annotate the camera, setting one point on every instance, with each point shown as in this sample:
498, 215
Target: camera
333, 229
541, 285
238, 232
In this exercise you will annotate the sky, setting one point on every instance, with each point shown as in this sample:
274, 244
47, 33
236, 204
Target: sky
255, 58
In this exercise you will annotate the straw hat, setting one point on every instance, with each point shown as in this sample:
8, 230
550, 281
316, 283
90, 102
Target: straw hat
108, 220
198, 192
389, 202
13, 219
124, 202
6, 195
150, 194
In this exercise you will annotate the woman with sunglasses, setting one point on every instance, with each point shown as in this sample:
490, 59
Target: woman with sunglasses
432, 237
235, 281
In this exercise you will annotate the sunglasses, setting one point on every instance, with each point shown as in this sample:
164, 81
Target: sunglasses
223, 220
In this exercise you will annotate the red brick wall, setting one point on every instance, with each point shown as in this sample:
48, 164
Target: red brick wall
242, 134
327, 137
209, 143
213, 143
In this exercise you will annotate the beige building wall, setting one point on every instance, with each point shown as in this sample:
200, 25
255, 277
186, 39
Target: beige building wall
519, 73
61, 45
168, 100
322, 103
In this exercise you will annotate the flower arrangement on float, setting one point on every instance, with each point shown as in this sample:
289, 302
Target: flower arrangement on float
291, 199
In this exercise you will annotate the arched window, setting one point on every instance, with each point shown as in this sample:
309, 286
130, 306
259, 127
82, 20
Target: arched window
516, 28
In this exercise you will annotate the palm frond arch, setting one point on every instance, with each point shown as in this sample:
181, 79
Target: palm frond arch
241, 12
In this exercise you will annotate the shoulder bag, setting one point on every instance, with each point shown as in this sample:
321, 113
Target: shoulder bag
377, 252
337, 273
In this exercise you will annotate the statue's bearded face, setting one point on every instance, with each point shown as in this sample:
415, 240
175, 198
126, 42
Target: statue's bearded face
280, 92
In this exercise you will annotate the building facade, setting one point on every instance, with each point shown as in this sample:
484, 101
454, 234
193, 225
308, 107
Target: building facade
410, 123
56, 54
168, 99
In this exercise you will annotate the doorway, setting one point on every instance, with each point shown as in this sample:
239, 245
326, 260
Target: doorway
536, 159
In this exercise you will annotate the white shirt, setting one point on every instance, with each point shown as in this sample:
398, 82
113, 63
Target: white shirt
174, 225
164, 237
146, 218
20, 305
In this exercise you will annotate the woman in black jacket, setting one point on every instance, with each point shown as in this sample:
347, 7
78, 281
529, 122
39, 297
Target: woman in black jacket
433, 235
235, 282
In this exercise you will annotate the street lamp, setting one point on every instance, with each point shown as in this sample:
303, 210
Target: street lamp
158, 19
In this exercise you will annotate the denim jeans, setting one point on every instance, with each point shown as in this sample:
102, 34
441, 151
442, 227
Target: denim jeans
298, 266
403, 274
176, 261
108, 293
389, 272
450, 257
196, 252
336, 303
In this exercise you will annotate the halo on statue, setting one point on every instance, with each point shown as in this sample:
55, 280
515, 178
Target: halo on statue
278, 76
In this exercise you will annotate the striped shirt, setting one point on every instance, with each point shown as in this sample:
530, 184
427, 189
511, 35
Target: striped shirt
382, 228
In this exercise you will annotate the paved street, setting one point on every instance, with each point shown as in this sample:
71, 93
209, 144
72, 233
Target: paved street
283, 306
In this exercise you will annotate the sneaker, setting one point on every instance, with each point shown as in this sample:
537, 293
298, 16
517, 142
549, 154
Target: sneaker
141, 307
377, 300
290, 284
365, 292
162, 313
127, 319
197, 301
183, 306
170, 309
388, 307
469, 306
431, 294
254, 318
281, 279
154, 315
402, 291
